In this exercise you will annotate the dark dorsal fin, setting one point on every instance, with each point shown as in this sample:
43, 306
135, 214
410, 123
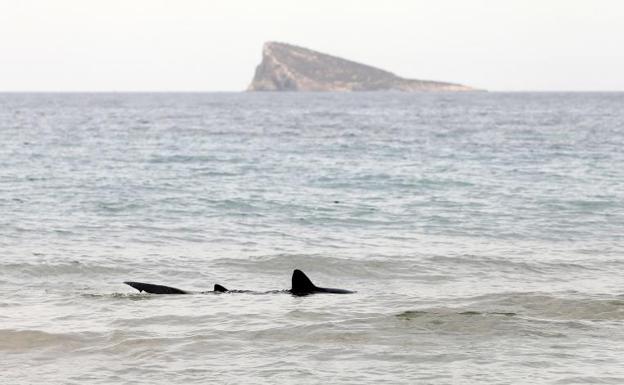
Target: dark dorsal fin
301, 284
219, 289
155, 289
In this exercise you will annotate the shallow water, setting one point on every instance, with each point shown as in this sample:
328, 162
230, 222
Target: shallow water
483, 232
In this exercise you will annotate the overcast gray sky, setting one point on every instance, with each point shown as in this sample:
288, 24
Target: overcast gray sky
211, 45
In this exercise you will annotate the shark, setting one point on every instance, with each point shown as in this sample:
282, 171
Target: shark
301, 285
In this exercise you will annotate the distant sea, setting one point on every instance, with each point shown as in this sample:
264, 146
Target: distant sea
483, 233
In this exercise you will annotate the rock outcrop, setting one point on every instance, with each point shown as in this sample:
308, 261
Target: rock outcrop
286, 67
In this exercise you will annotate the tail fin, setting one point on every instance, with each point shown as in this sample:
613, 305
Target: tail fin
155, 289
301, 284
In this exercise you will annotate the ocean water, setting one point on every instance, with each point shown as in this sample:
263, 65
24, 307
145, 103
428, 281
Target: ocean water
483, 233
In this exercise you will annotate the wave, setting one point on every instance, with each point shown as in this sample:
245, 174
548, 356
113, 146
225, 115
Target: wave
540, 307
573, 307
56, 269
321, 264
506, 264
23, 340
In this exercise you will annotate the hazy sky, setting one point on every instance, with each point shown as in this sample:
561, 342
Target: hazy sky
211, 45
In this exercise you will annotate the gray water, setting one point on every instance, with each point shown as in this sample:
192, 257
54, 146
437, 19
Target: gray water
483, 233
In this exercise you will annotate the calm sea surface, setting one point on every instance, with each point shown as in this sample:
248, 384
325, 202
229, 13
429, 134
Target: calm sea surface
483, 233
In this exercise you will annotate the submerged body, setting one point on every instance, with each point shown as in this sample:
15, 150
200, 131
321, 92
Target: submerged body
301, 285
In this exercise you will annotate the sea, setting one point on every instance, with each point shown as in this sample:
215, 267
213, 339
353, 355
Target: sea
483, 233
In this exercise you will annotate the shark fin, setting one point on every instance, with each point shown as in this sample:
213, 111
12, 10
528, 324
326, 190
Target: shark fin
220, 289
155, 289
301, 284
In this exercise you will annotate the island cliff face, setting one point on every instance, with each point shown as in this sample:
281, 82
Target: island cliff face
286, 67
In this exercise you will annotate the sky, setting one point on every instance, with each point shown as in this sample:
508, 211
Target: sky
213, 45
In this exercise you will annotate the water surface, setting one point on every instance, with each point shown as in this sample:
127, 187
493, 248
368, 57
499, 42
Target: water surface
483, 232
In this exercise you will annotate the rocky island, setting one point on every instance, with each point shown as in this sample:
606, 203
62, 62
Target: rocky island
287, 67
